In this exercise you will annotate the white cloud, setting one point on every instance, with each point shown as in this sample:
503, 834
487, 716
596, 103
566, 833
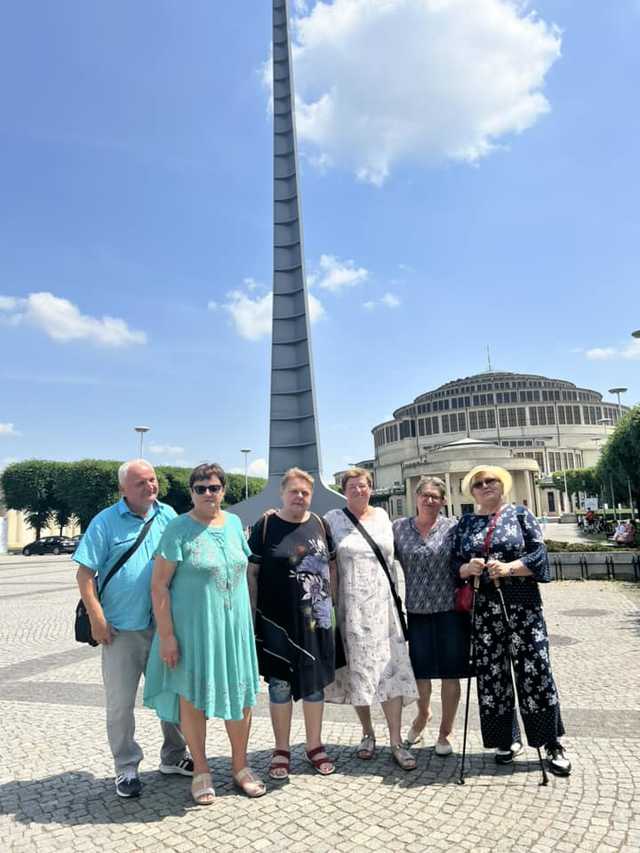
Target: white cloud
385, 81
386, 301
333, 274
630, 352
8, 429
258, 468
252, 316
390, 300
166, 450
62, 321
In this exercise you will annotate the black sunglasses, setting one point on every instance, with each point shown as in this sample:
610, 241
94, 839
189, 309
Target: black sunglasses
490, 481
201, 490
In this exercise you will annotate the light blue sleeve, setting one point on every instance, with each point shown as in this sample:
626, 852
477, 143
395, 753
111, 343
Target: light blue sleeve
93, 549
170, 545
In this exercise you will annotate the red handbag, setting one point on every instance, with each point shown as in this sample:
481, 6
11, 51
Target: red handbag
463, 601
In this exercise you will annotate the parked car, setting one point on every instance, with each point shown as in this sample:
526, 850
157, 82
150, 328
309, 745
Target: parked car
50, 545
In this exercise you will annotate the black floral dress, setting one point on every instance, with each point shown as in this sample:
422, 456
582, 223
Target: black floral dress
294, 629
522, 642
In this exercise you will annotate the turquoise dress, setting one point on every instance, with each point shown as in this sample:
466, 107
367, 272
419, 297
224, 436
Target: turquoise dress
218, 667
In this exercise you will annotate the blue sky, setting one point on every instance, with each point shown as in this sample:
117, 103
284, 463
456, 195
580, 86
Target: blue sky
469, 178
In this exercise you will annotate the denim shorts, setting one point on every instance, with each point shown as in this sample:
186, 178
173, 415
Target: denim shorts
280, 693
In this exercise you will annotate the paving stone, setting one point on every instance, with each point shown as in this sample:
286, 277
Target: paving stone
56, 782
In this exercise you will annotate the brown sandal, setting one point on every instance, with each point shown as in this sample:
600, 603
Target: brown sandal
320, 762
279, 770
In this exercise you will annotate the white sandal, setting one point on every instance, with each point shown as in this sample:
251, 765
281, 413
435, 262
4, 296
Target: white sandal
249, 784
202, 789
413, 736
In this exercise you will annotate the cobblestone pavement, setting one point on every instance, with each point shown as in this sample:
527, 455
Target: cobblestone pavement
56, 785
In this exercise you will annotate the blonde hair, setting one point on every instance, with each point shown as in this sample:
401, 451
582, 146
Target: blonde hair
355, 472
493, 471
293, 474
431, 481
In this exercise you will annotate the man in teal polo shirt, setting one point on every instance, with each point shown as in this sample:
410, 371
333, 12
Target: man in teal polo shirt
122, 621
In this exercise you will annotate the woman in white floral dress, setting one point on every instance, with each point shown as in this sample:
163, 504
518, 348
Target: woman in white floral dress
378, 668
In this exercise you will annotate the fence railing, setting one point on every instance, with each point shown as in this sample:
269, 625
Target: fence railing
595, 565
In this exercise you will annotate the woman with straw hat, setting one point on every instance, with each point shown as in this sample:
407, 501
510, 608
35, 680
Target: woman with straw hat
502, 544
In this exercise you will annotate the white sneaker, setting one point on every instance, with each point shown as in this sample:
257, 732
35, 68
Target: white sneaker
506, 756
443, 749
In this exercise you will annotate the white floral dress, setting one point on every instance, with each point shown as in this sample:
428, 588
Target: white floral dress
378, 666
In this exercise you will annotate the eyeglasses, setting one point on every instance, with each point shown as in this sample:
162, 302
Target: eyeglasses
489, 481
202, 490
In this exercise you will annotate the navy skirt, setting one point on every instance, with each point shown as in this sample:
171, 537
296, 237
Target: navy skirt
439, 644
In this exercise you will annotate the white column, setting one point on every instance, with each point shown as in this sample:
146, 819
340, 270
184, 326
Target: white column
447, 480
530, 504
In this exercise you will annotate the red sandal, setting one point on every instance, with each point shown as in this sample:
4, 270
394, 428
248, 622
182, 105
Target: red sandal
320, 762
279, 770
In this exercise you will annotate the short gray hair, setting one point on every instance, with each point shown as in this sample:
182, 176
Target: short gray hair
431, 481
123, 470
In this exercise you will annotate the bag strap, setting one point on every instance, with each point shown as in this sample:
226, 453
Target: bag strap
127, 554
323, 524
376, 550
486, 545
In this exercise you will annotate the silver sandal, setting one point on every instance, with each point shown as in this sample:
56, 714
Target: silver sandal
367, 748
403, 757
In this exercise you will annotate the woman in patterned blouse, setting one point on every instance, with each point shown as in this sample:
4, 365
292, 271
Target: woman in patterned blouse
502, 544
438, 636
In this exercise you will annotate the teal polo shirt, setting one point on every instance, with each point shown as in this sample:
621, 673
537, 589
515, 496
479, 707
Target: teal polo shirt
127, 599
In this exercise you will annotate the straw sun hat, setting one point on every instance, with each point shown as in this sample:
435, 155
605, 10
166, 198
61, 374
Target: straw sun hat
490, 471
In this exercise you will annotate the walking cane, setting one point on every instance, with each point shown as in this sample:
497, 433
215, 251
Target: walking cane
545, 778
476, 584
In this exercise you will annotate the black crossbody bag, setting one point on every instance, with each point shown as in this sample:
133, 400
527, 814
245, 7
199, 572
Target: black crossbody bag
376, 550
82, 625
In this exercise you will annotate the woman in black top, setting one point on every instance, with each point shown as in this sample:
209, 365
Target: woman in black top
290, 586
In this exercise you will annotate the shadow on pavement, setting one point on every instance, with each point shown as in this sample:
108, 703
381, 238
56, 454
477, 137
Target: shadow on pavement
76, 798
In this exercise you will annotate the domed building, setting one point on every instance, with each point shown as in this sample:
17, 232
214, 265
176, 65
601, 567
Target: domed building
531, 425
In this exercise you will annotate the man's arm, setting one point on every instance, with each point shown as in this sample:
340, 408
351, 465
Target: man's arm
102, 631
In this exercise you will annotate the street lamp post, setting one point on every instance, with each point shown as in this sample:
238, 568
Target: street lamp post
607, 422
562, 465
141, 431
618, 392
246, 452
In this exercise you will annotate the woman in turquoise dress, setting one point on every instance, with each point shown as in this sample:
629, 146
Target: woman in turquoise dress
203, 660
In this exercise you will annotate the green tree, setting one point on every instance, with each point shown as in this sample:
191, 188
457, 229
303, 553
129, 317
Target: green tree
619, 463
234, 489
62, 512
89, 486
578, 480
28, 486
177, 492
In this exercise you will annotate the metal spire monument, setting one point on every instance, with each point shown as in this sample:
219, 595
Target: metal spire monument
293, 430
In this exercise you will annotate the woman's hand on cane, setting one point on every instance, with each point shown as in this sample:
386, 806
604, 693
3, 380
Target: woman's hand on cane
473, 568
498, 570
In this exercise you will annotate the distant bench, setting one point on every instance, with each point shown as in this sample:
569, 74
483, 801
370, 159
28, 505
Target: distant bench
595, 565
